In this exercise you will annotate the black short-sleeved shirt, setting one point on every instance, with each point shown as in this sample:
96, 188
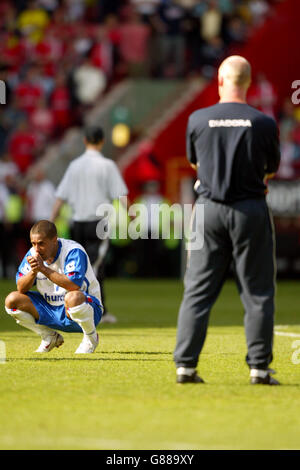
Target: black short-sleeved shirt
234, 146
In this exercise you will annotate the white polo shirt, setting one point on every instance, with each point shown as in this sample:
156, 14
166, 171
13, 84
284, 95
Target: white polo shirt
90, 180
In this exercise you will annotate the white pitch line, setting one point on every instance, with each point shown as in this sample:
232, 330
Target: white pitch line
283, 333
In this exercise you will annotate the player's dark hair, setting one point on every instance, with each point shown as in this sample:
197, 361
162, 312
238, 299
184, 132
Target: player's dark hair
94, 134
46, 227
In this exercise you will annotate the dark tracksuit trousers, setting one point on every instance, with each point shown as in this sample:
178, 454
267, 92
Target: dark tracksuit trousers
241, 232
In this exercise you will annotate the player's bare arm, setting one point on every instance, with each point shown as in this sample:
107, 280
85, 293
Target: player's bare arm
25, 282
57, 278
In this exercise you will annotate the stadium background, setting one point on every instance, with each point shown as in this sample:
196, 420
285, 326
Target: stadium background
138, 68
124, 396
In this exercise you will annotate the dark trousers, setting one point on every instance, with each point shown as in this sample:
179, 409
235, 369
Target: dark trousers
85, 234
241, 232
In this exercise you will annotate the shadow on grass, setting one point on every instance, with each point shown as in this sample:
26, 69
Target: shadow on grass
10, 334
136, 352
55, 359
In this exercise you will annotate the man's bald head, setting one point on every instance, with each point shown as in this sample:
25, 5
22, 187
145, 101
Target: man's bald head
236, 71
234, 76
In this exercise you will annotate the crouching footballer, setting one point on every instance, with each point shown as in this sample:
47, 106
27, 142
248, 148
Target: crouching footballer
68, 296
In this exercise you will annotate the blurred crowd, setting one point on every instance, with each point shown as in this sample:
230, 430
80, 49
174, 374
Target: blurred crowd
289, 128
51, 49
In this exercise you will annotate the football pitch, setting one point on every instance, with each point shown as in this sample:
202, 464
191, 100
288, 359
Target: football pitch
124, 395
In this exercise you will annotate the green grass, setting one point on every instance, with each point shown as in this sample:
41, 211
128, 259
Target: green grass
124, 397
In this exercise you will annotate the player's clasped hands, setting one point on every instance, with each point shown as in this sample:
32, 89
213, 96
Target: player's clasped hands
36, 263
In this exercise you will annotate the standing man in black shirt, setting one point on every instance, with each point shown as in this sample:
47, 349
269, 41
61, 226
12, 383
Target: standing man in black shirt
233, 148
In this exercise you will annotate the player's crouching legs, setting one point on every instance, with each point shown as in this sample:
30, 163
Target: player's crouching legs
82, 313
20, 307
73, 299
18, 301
12, 299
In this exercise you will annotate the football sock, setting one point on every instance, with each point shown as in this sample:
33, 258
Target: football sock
83, 315
28, 321
262, 373
185, 370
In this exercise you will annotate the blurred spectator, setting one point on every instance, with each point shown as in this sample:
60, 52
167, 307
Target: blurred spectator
236, 30
158, 249
60, 103
290, 158
23, 146
149, 245
42, 121
32, 21
193, 42
107, 7
29, 91
49, 49
13, 114
169, 30
16, 243
259, 10
146, 8
90, 82
211, 21
13, 49
287, 120
3, 200
59, 23
211, 52
112, 26
102, 52
82, 39
8, 16
289, 129
40, 196
296, 134
134, 44
8, 169
226, 6
49, 5
262, 95
144, 168
3, 131
75, 10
